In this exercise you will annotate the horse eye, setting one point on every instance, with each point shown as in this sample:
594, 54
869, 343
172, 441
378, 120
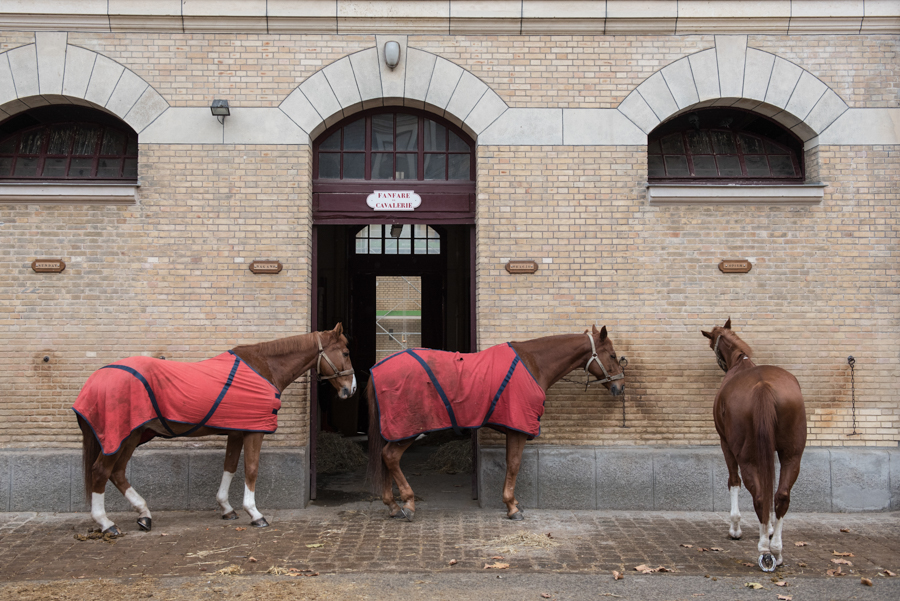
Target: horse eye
346, 354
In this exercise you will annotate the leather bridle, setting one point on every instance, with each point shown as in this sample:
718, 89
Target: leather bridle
595, 357
334, 370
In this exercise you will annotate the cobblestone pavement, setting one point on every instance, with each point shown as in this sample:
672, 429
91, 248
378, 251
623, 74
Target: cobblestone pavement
41, 547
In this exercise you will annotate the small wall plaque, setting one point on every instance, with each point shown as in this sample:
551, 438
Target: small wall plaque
266, 267
48, 265
735, 266
521, 267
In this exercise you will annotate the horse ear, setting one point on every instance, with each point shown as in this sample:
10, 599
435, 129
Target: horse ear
602, 333
338, 329
727, 325
707, 334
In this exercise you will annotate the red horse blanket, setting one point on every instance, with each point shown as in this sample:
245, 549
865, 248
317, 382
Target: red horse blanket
424, 390
222, 392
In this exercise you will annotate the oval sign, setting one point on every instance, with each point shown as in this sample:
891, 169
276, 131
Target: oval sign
394, 200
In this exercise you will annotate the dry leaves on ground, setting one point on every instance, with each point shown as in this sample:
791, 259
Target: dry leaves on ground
865, 581
836, 572
687, 546
785, 598
230, 571
618, 575
888, 573
315, 545
496, 566
842, 562
845, 529
801, 544
753, 585
781, 583
452, 562
645, 569
841, 554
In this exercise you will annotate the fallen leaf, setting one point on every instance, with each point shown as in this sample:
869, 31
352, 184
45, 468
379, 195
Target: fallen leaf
785, 598
865, 581
663, 569
839, 554
782, 583
315, 545
801, 544
843, 562
753, 585
716, 549
888, 573
163, 534
497, 557
240, 528
453, 562
836, 572
845, 529
252, 560
687, 546
496, 566
748, 564
618, 575
801, 564
702, 549
545, 595
643, 568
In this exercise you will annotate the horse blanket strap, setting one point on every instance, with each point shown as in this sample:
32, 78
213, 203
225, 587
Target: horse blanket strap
222, 392
423, 390
594, 357
334, 370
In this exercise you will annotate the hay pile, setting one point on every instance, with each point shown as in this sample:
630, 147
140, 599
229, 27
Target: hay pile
512, 542
335, 454
452, 458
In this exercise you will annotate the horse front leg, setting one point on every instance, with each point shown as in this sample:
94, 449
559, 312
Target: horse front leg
515, 446
391, 456
232, 456
252, 446
734, 488
100, 473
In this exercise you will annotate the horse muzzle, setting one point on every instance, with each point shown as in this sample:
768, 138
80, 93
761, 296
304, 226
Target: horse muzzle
348, 391
616, 389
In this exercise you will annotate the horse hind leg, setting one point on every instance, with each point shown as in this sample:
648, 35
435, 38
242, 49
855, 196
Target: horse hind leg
734, 488
790, 469
145, 520
232, 456
515, 446
391, 456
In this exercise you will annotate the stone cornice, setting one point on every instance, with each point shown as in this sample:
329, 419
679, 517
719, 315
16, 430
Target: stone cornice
457, 17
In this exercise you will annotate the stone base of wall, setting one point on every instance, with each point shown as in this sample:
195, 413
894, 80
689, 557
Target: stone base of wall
685, 479
168, 479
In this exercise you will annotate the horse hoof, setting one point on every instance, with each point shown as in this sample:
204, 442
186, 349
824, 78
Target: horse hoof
767, 562
145, 524
113, 531
404, 513
260, 523
230, 516
517, 516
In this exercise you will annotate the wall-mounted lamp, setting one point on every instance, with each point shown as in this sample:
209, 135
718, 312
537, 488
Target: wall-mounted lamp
220, 110
396, 230
392, 54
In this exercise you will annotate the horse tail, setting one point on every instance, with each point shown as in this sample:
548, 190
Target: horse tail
90, 450
765, 418
376, 473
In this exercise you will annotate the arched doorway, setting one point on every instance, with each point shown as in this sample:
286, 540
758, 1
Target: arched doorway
393, 253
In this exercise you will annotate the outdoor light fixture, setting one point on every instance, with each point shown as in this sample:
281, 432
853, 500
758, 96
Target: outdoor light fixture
220, 110
392, 54
396, 229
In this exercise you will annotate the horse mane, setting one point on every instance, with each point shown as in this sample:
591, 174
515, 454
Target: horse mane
736, 343
281, 346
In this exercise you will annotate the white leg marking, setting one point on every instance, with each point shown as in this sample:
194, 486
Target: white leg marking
250, 503
137, 502
98, 510
763, 546
776, 544
222, 495
735, 530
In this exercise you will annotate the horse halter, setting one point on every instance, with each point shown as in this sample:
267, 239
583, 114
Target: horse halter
595, 357
334, 370
719, 358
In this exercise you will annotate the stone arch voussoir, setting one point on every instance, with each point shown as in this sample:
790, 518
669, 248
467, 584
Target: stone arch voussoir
421, 80
731, 74
51, 71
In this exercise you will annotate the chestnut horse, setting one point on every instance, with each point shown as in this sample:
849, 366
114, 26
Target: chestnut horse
546, 361
758, 412
276, 364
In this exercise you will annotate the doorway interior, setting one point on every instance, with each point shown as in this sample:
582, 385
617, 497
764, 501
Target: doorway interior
393, 286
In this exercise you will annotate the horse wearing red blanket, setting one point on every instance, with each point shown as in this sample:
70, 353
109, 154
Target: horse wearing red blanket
238, 394
503, 387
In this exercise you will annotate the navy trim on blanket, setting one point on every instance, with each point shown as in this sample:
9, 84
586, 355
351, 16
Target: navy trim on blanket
440, 391
250, 367
234, 368
149, 390
509, 374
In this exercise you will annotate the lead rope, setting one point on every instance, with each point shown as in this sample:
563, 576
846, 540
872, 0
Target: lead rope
624, 363
851, 361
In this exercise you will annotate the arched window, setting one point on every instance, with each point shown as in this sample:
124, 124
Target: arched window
403, 240
393, 146
723, 146
61, 143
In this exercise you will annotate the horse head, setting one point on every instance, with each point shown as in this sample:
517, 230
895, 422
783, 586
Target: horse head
333, 349
725, 343
604, 364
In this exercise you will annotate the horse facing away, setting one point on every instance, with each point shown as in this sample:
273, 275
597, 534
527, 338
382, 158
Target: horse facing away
237, 394
758, 411
503, 387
